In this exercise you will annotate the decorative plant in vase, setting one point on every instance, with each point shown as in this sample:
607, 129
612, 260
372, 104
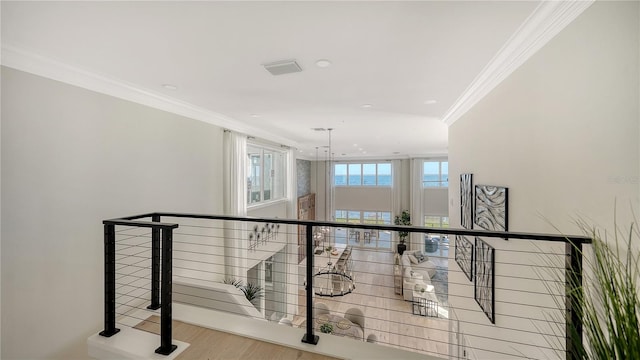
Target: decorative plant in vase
403, 219
326, 328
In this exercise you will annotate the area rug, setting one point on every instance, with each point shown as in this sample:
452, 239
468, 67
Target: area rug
440, 282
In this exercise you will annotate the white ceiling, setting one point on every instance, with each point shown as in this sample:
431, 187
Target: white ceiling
393, 55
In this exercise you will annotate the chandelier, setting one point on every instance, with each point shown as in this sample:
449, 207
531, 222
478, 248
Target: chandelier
332, 279
330, 282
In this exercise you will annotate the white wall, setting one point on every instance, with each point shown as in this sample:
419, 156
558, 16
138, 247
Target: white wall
71, 158
562, 133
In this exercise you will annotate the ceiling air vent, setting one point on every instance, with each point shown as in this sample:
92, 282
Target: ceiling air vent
282, 67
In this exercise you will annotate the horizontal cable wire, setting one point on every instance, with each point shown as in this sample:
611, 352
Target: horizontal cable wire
218, 247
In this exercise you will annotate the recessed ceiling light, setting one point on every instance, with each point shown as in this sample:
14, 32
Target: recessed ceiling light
254, 115
366, 106
430, 102
170, 87
323, 63
355, 145
360, 149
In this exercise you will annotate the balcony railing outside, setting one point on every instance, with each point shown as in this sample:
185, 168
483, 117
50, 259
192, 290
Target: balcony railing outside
152, 260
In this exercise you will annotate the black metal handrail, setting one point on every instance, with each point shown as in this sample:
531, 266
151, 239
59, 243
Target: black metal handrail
162, 243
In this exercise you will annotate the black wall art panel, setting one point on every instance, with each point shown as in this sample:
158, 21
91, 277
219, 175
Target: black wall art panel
466, 201
484, 286
491, 207
464, 255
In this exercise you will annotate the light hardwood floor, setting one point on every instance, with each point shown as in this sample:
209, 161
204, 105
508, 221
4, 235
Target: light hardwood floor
211, 344
387, 315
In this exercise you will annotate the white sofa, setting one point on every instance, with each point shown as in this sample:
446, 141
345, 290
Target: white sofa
420, 264
415, 276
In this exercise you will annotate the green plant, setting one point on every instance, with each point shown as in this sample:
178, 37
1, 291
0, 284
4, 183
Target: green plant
403, 219
610, 304
252, 291
326, 328
234, 282
607, 296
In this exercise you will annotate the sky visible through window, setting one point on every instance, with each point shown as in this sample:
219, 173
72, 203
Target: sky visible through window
357, 174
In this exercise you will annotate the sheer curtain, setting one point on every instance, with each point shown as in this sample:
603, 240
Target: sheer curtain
235, 173
416, 201
235, 203
292, 234
396, 198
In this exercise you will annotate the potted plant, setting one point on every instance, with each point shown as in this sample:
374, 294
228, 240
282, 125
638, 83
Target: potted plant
326, 328
403, 219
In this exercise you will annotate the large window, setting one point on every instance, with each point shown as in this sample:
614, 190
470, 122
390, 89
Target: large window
435, 174
362, 174
363, 237
436, 221
266, 174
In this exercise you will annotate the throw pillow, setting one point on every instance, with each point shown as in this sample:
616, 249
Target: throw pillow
413, 259
419, 255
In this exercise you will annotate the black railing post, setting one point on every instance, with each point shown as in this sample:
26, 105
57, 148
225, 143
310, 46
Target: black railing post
166, 347
309, 337
574, 299
109, 281
155, 265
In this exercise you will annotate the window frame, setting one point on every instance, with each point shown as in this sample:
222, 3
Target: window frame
443, 181
277, 169
347, 166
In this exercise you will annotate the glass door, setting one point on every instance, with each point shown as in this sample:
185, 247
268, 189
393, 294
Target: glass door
368, 238
436, 244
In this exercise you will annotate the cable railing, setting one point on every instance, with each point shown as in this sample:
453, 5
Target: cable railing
516, 302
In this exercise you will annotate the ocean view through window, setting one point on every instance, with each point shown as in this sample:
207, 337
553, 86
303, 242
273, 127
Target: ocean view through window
363, 174
435, 174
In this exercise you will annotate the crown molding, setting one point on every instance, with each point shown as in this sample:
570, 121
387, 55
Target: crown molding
28, 61
545, 22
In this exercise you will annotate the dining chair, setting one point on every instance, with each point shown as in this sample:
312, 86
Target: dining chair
355, 235
372, 338
373, 234
356, 316
320, 308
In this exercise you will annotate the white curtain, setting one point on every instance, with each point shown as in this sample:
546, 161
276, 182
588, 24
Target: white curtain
416, 200
396, 197
235, 173
235, 203
291, 234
